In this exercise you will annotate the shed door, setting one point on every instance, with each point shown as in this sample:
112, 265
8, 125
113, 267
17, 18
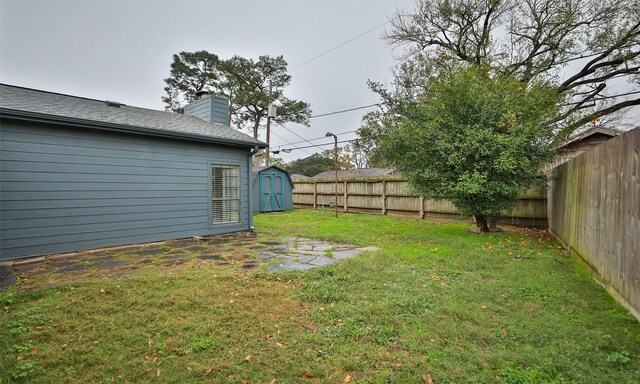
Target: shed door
271, 192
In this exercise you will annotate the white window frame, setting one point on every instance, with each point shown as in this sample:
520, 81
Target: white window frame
225, 194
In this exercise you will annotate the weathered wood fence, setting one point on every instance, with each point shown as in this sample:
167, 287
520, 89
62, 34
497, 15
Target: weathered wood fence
594, 208
393, 196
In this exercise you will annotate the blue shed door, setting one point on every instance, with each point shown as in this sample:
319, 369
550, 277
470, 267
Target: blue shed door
271, 192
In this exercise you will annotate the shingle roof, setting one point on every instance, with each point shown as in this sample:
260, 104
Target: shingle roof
55, 106
360, 172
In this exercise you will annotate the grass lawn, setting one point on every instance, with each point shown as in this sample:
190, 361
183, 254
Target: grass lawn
434, 304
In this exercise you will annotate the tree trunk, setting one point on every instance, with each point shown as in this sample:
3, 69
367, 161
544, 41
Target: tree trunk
482, 223
256, 125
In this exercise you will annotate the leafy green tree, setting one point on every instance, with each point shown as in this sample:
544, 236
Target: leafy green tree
312, 165
580, 47
191, 72
475, 138
345, 159
366, 147
244, 81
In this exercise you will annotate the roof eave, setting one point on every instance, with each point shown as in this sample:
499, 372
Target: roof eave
43, 117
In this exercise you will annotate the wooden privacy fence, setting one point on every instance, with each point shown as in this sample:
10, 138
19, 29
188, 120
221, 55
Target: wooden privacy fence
594, 208
393, 196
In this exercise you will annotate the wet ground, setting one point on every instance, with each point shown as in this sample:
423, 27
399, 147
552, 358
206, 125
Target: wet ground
243, 251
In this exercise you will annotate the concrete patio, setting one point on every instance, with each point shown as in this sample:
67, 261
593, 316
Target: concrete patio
243, 251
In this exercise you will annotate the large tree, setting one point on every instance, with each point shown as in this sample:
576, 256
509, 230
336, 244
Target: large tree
581, 47
244, 81
475, 137
312, 165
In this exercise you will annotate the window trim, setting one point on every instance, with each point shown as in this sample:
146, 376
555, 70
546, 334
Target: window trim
210, 166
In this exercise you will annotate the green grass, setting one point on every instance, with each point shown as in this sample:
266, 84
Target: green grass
434, 301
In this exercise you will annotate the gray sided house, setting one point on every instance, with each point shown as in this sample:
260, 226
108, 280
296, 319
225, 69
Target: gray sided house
272, 189
78, 173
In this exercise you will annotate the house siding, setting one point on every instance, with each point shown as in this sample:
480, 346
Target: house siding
65, 189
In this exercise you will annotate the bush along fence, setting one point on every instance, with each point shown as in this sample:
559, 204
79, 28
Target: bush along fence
393, 196
594, 209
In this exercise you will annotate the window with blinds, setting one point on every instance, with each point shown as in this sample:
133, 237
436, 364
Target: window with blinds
225, 194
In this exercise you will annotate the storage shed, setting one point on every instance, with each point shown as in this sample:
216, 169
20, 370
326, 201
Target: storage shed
79, 173
272, 189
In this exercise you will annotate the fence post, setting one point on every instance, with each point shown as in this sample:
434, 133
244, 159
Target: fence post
422, 207
344, 197
315, 192
384, 197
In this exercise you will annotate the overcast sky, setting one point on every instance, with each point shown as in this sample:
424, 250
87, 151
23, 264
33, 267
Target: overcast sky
122, 50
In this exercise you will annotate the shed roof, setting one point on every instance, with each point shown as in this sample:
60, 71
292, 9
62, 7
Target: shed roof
360, 172
590, 132
33, 104
256, 170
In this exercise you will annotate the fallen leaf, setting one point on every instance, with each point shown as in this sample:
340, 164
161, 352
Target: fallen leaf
308, 375
207, 371
34, 351
148, 356
347, 379
169, 340
427, 379
435, 277
102, 290
39, 328
273, 381
248, 358
280, 345
158, 373
189, 369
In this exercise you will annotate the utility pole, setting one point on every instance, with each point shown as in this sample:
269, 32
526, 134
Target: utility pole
269, 122
335, 166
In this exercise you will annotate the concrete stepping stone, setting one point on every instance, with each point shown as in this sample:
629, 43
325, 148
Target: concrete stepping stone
285, 259
72, 268
292, 266
345, 254
178, 256
305, 259
111, 264
322, 261
6, 281
151, 252
323, 247
312, 253
279, 250
265, 255
211, 257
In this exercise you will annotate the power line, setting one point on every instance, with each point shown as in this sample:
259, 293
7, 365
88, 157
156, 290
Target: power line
298, 136
324, 145
338, 46
345, 110
318, 138
281, 138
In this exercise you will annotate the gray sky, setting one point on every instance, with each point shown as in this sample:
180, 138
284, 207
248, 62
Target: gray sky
122, 50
